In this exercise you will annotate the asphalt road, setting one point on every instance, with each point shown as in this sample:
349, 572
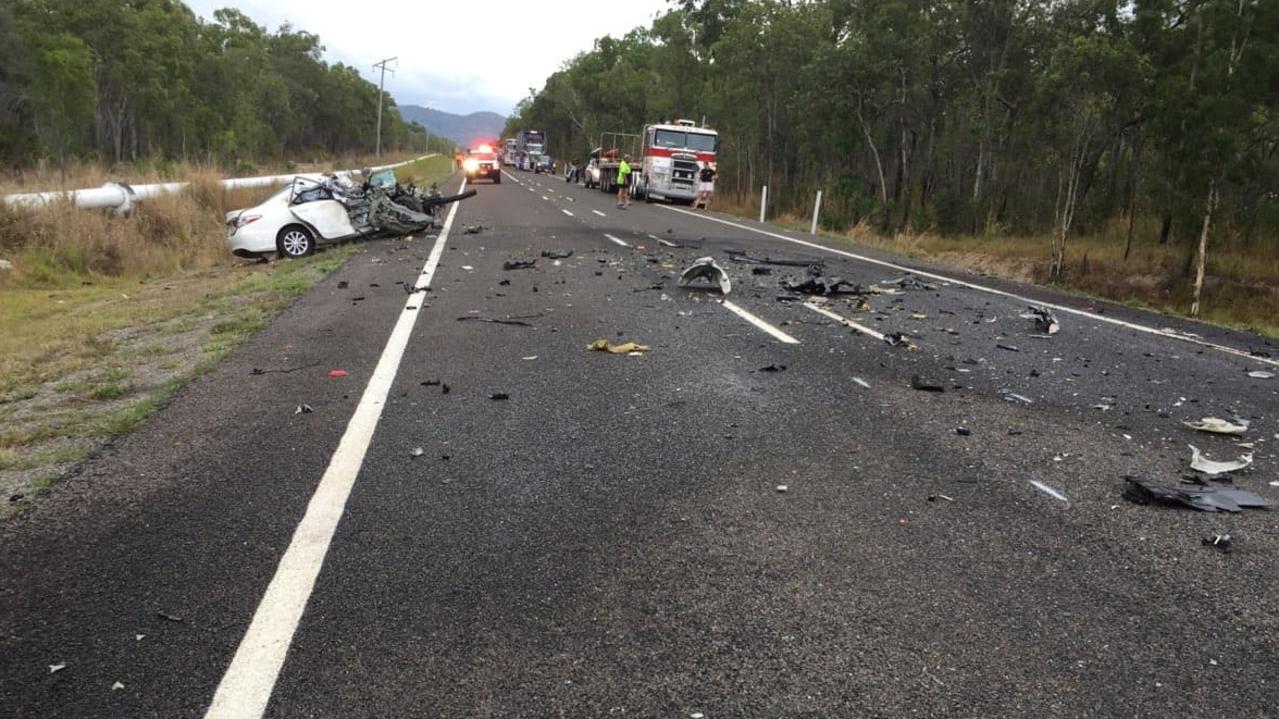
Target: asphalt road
610, 540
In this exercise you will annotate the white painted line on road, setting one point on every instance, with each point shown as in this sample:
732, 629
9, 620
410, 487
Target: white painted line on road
776, 333
991, 290
246, 687
544, 197
511, 177
601, 214
570, 214
616, 240
844, 320
667, 243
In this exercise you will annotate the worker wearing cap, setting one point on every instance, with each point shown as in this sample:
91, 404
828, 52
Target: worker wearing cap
624, 183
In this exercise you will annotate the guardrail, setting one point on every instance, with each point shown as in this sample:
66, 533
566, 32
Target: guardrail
122, 197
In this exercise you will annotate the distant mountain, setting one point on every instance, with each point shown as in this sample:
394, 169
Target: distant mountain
465, 130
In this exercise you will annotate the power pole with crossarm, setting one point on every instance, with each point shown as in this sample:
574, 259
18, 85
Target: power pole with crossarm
381, 82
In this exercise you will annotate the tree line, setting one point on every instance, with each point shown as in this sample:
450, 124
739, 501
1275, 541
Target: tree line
121, 80
961, 116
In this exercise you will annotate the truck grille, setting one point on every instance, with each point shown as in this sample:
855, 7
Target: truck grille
683, 172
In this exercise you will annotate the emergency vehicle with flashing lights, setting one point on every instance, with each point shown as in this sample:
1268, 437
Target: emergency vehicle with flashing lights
482, 161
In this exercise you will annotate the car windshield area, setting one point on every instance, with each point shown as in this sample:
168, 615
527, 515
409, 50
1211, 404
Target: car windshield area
305, 190
701, 142
675, 140
385, 178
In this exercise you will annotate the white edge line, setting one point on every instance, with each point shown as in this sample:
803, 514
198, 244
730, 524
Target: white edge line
570, 214
766, 327
616, 240
982, 288
844, 320
246, 686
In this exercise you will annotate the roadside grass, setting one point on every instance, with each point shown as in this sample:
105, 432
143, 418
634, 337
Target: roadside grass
84, 364
107, 317
1241, 289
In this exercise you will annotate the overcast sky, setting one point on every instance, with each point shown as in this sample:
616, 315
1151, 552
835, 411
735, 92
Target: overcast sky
460, 56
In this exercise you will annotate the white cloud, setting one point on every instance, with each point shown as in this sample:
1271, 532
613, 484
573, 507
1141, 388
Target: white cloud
459, 56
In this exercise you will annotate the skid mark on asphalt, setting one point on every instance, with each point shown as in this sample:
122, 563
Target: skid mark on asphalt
760, 323
246, 687
991, 290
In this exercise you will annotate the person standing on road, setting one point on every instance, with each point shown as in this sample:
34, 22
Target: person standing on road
624, 183
705, 187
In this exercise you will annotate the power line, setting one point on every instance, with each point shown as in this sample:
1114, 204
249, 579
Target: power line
381, 83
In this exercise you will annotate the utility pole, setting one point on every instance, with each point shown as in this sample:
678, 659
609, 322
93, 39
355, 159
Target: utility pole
380, 84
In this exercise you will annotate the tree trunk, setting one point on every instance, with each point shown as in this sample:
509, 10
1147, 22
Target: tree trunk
1132, 194
879, 167
1201, 259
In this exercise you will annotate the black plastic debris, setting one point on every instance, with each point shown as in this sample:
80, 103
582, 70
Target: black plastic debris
504, 283
1010, 348
823, 286
499, 396
761, 270
303, 408
494, 321
169, 617
772, 368
925, 385
1204, 499
1221, 541
557, 254
897, 339
1044, 319
472, 229
910, 282
431, 383
518, 264
343, 284
963, 431
444, 389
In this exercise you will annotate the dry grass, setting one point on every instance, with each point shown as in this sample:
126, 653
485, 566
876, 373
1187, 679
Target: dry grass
1241, 289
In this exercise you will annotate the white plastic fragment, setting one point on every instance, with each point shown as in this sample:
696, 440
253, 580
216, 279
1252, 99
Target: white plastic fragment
1049, 491
1216, 425
1211, 467
861, 382
117, 686
417, 452
55, 668
782, 487
1261, 374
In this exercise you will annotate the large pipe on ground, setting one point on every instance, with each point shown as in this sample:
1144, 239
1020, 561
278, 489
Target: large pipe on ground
122, 197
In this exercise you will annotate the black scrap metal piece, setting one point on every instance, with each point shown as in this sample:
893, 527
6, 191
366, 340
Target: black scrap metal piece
1204, 499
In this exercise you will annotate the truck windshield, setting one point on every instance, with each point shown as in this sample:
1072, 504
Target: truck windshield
679, 140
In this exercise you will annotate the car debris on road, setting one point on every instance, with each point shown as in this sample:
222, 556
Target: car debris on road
518, 264
706, 268
1199, 463
1204, 499
1216, 425
1045, 321
625, 348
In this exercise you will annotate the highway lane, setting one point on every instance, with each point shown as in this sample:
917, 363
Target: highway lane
611, 539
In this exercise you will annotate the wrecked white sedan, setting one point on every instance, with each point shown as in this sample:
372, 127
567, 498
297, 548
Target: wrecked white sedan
310, 212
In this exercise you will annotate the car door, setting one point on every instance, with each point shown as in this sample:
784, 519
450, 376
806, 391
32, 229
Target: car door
328, 217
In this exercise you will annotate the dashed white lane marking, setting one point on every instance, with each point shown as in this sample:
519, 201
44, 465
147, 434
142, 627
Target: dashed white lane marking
667, 243
991, 290
544, 197
246, 687
766, 327
570, 214
617, 241
844, 320
601, 214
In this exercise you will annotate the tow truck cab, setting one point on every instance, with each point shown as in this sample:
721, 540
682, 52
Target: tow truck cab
673, 155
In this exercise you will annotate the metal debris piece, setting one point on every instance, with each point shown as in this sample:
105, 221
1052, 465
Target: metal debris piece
782, 488
518, 264
620, 349
1044, 319
963, 431
417, 452
1204, 499
303, 409
705, 268
925, 385
1055, 494
1010, 348
169, 617
861, 382
1199, 463
909, 282
1216, 425
499, 396
557, 254
823, 286
935, 497
1220, 540
897, 339
472, 229
743, 256
1014, 397
494, 321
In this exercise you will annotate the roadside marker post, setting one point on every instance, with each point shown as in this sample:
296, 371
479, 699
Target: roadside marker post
817, 208
763, 203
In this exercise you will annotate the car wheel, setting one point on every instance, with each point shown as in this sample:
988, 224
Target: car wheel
295, 241
497, 179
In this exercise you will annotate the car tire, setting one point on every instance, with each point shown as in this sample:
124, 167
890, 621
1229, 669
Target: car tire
497, 179
294, 242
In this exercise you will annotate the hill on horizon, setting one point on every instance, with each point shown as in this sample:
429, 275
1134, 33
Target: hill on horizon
465, 130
